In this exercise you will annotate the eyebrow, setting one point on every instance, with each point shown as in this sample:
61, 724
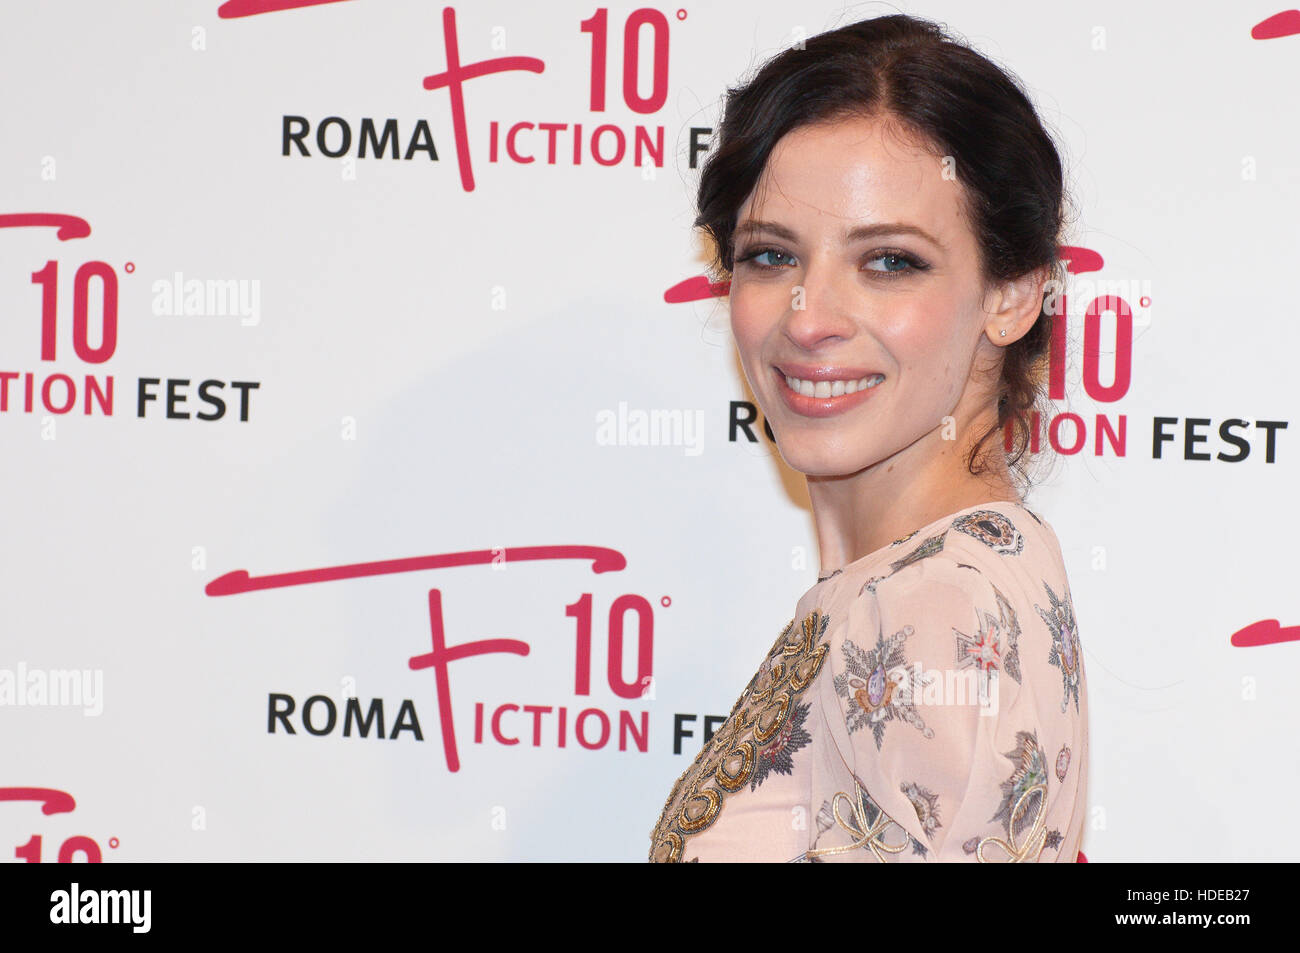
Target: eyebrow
859, 233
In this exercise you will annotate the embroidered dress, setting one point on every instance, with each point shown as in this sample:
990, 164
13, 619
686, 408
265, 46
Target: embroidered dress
926, 703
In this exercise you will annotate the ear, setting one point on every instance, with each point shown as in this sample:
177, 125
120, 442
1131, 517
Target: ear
1014, 306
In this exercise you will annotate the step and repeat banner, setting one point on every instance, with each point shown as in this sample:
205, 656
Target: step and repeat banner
381, 482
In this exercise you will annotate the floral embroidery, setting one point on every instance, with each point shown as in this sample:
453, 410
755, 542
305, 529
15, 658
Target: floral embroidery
928, 548
775, 756
867, 824
926, 804
931, 546
993, 530
752, 742
983, 650
1064, 653
879, 686
1024, 803
1023, 810
774, 727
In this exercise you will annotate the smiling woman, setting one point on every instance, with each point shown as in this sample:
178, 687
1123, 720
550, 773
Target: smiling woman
887, 207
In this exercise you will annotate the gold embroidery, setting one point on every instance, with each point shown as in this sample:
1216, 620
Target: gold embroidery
1034, 839
736, 767
696, 817
863, 832
771, 718
727, 762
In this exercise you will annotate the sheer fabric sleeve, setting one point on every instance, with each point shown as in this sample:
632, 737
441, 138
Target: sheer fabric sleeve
954, 722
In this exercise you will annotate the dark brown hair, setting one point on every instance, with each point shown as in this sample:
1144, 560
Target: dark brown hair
910, 71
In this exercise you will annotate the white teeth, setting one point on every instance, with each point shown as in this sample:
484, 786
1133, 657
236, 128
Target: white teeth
832, 388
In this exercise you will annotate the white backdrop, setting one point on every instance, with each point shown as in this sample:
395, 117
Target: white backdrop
448, 370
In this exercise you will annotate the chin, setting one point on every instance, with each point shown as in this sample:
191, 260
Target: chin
820, 461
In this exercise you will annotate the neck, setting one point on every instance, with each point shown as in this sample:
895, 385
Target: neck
859, 513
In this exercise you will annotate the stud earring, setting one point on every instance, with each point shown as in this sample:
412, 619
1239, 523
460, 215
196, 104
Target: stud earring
1002, 333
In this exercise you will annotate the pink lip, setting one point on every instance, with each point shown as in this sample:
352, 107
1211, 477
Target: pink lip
821, 406
825, 372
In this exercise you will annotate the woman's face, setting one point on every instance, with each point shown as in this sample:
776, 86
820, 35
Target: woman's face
856, 276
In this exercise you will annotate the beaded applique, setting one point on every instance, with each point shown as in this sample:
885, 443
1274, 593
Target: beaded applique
759, 736
879, 687
928, 548
993, 530
1023, 810
989, 527
984, 650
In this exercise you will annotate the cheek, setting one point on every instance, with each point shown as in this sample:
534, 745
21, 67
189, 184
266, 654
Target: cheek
752, 317
926, 339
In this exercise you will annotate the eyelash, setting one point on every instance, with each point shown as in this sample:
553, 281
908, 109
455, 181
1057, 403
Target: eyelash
914, 263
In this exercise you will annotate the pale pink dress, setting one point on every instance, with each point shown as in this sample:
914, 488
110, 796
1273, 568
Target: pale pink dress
927, 702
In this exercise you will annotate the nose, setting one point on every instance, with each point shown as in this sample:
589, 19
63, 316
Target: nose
822, 307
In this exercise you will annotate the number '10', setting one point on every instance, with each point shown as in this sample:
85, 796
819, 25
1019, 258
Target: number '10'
48, 279
596, 26
581, 610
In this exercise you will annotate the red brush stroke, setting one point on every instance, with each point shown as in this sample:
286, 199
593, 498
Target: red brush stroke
70, 226
233, 583
56, 802
1286, 23
1080, 259
454, 79
438, 659
1265, 632
233, 9
602, 560
696, 289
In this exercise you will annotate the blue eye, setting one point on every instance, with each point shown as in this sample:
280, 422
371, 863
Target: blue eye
760, 253
896, 263
903, 262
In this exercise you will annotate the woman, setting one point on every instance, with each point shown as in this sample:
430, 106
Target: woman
887, 207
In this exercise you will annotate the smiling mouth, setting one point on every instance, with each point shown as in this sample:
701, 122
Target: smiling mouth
832, 388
